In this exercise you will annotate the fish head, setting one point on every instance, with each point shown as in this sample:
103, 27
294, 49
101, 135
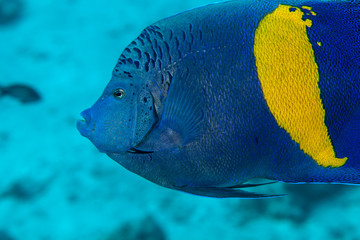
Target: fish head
122, 116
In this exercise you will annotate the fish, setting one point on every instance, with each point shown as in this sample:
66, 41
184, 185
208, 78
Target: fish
23, 93
213, 98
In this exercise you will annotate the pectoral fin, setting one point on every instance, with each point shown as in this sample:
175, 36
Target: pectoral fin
182, 118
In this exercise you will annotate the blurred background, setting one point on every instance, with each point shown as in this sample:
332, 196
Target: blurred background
55, 59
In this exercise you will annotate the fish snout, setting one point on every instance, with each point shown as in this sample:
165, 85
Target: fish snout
83, 125
86, 115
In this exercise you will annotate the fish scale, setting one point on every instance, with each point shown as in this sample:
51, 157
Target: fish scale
235, 91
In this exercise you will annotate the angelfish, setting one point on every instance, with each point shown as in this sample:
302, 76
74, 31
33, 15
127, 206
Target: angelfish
211, 98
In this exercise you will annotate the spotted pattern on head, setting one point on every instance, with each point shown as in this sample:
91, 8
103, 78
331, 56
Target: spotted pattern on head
158, 50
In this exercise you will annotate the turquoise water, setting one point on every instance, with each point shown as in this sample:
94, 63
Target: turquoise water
56, 185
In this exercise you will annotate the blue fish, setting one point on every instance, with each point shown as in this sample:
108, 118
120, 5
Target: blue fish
208, 99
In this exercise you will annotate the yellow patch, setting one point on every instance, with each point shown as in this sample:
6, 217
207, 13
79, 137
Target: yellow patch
289, 77
319, 43
306, 7
309, 9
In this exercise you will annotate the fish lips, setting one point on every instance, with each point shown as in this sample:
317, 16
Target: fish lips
87, 128
83, 125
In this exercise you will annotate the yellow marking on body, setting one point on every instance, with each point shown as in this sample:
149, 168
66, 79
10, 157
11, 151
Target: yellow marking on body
306, 7
319, 43
309, 9
289, 77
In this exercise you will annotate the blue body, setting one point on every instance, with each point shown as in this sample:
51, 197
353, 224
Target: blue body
205, 127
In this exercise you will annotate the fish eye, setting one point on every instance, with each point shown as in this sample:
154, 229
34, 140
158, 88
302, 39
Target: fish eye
119, 93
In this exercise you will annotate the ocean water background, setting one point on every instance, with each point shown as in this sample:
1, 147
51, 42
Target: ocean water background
56, 185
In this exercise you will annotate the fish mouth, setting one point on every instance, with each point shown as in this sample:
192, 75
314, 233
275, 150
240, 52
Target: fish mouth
86, 115
82, 127
134, 150
84, 123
